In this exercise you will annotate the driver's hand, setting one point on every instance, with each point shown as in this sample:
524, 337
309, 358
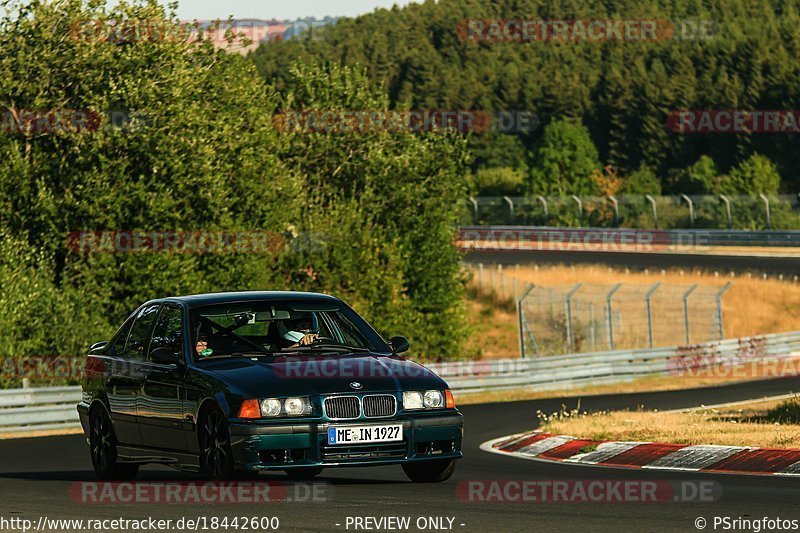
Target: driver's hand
308, 339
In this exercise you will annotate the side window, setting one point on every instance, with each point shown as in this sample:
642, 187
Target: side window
118, 344
140, 333
168, 332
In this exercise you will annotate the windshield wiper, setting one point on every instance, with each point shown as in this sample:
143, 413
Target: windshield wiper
324, 346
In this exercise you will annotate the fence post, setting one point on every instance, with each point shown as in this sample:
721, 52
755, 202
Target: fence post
480, 275
655, 209
521, 318
614, 201
691, 208
647, 296
580, 206
767, 212
474, 203
727, 209
719, 308
610, 318
544, 206
502, 290
686, 310
568, 311
510, 203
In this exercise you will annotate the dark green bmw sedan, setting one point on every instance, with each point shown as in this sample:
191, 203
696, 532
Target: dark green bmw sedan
230, 384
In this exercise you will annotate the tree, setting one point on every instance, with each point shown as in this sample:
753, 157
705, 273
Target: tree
564, 161
387, 205
642, 181
755, 175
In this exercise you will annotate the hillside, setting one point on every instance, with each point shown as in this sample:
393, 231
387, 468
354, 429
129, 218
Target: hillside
718, 55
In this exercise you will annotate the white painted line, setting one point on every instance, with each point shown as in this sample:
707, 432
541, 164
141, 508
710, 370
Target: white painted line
791, 470
545, 445
694, 458
604, 452
734, 404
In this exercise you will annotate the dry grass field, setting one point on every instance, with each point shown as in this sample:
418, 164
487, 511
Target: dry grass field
752, 306
768, 424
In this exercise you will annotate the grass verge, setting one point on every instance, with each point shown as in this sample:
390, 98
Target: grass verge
768, 424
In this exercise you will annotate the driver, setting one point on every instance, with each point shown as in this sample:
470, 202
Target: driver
300, 331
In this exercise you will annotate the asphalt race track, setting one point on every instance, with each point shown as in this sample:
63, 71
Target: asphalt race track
36, 475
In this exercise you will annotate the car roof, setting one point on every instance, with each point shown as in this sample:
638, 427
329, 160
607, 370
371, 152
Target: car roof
200, 300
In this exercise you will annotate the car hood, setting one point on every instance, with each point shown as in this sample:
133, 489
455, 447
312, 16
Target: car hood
314, 375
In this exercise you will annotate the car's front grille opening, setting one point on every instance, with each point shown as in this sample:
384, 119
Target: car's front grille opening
342, 407
273, 456
436, 447
282, 456
354, 452
379, 405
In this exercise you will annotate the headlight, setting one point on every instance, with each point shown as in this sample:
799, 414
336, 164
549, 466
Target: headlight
434, 399
429, 399
297, 406
271, 407
412, 400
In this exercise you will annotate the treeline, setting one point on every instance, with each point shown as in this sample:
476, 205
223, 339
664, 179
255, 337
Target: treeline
153, 135
607, 104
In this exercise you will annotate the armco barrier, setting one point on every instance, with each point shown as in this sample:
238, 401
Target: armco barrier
568, 371
616, 239
28, 410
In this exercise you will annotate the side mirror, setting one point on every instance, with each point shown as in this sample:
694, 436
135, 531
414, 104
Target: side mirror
399, 344
164, 356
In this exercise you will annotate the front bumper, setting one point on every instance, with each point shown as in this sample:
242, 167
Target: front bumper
285, 444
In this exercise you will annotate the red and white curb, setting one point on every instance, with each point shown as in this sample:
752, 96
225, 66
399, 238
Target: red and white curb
647, 455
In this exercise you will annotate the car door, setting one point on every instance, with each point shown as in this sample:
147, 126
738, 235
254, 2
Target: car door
125, 376
160, 407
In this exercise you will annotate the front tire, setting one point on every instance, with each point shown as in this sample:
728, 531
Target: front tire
103, 449
216, 456
430, 471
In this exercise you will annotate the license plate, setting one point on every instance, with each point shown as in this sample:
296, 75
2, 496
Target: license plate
365, 434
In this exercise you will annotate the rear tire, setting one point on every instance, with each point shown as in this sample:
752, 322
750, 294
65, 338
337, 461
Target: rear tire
430, 471
306, 473
103, 449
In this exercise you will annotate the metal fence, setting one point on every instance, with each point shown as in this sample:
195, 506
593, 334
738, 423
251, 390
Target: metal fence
758, 211
587, 317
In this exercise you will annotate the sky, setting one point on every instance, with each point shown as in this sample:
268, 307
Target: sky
280, 9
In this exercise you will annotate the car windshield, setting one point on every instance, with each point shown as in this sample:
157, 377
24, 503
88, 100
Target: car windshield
278, 327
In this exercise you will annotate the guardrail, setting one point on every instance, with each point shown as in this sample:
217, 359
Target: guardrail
30, 410
569, 371
548, 238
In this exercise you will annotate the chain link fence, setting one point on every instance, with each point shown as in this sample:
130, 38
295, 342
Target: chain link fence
587, 317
